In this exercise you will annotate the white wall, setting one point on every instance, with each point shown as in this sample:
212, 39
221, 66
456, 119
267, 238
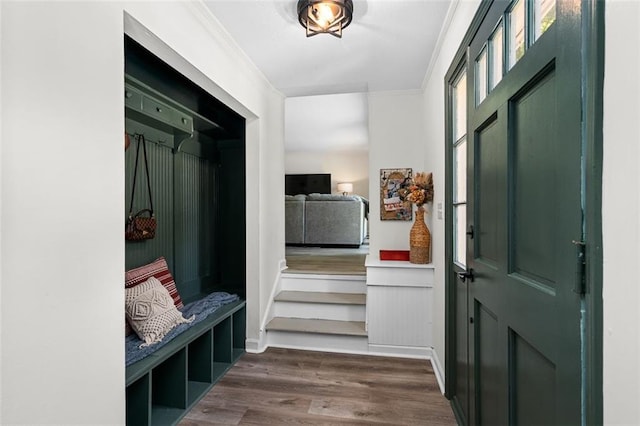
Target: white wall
621, 213
62, 186
1, 138
62, 201
344, 166
397, 140
457, 22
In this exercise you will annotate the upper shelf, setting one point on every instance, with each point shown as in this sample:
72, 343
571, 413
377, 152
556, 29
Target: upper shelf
144, 104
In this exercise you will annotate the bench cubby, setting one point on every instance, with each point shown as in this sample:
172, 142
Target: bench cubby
164, 386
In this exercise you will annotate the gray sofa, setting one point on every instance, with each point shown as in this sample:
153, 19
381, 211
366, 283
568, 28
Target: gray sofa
325, 220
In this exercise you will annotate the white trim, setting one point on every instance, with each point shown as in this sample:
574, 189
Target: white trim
255, 346
415, 352
441, 37
319, 349
324, 276
275, 289
141, 34
283, 265
424, 353
438, 370
408, 92
219, 32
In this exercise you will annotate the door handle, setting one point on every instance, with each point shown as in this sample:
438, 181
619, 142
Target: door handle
466, 275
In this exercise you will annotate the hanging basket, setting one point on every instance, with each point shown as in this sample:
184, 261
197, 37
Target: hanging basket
420, 240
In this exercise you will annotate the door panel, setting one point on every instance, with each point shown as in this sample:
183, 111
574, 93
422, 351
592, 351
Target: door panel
534, 385
523, 204
535, 167
461, 390
490, 153
490, 402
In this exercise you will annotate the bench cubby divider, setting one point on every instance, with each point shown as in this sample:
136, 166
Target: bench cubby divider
239, 334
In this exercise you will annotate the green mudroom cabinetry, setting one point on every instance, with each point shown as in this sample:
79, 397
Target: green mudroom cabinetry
196, 153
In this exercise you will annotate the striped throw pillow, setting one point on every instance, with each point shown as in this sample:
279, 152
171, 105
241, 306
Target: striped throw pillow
159, 270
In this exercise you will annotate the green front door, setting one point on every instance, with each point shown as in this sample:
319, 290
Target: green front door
518, 296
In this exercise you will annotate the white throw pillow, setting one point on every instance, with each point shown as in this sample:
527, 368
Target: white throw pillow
151, 311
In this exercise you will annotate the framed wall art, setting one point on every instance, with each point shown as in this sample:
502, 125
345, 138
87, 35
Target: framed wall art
391, 206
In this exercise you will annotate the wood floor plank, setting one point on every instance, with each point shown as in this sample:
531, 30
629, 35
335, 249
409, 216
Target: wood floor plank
284, 386
326, 264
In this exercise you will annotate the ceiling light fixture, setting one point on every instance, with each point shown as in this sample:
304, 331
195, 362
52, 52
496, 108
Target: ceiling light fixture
325, 16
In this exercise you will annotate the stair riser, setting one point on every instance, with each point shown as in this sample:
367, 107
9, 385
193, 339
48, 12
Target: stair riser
327, 285
317, 342
320, 311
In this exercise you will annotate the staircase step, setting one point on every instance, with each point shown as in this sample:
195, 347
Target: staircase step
327, 311
321, 297
319, 326
324, 283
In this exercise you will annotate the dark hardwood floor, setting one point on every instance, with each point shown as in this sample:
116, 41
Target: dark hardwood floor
282, 386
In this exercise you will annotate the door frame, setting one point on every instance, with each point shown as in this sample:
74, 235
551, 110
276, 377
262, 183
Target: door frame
593, 31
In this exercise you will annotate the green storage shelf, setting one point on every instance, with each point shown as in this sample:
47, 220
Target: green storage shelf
164, 386
161, 415
138, 397
219, 369
196, 390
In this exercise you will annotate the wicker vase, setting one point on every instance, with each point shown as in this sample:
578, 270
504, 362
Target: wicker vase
420, 240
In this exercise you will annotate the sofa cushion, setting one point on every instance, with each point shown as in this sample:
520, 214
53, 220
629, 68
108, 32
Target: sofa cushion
294, 221
331, 197
299, 197
334, 222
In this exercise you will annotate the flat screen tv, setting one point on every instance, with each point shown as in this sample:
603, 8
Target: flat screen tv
307, 184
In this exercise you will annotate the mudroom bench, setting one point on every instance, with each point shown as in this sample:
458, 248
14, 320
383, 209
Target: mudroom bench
164, 386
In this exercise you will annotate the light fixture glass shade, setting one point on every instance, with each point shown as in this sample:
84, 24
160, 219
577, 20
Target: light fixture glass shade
325, 16
345, 187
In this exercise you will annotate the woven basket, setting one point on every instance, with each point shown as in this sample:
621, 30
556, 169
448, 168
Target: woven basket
420, 240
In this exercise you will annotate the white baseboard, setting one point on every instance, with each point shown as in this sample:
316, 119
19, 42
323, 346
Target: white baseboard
415, 352
437, 369
256, 346
268, 312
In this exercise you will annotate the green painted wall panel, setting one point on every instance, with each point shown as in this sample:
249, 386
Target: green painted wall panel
231, 237
161, 173
195, 200
202, 239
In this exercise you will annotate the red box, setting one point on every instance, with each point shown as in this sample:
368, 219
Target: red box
394, 255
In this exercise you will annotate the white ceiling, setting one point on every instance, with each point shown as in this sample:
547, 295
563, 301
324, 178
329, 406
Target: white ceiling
388, 46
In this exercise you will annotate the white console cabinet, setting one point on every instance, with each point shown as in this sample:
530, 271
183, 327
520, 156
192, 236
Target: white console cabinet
399, 307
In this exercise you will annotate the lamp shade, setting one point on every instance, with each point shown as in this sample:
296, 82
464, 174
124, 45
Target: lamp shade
345, 187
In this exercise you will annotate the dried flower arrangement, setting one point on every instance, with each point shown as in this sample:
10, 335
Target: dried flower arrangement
418, 190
